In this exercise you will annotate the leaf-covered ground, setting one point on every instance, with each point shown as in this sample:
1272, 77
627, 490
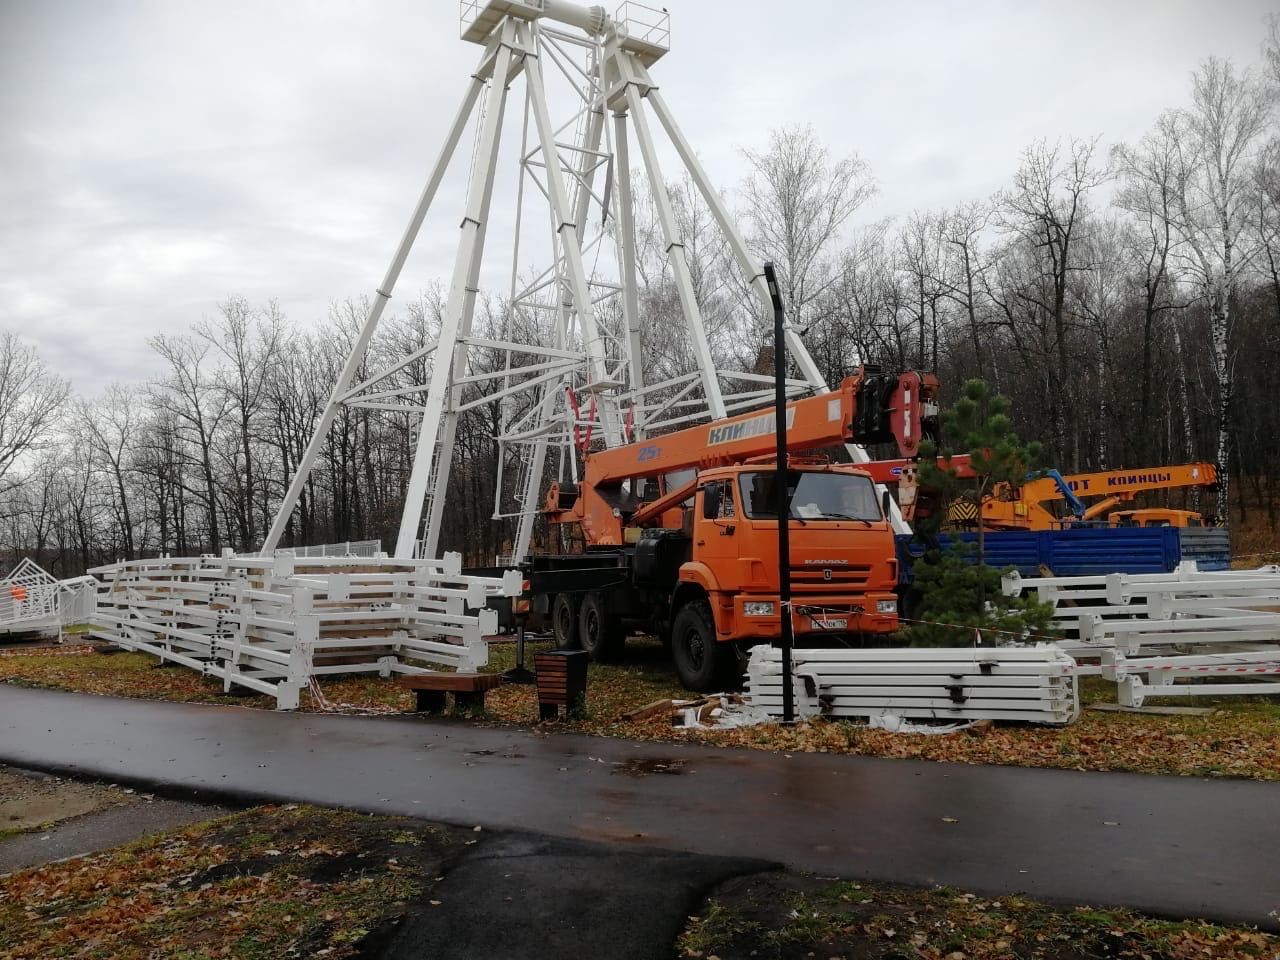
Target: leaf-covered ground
777, 916
300, 882
1241, 739
270, 882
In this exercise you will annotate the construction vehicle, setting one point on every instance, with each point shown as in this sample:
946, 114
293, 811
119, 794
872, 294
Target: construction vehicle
680, 533
1156, 517
1036, 504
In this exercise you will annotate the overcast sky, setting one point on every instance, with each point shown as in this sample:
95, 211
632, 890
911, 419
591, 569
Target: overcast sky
157, 156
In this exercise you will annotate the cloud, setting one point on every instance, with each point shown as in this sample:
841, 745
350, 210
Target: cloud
156, 157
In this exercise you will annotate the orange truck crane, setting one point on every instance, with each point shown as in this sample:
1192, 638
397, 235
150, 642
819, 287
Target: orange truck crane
1030, 505
680, 531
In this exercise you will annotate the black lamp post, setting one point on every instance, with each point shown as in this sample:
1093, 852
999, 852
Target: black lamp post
782, 502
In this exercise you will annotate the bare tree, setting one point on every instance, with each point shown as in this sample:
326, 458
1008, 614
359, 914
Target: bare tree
250, 343
1219, 139
1045, 209
958, 277
31, 398
109, 426
796, 200
190, 395
1149, 194
922, 257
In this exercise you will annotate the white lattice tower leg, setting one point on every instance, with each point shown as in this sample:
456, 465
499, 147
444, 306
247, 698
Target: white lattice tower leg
676, 256
627, 254
376, 307
570, 247
549, 399
533, 483
751, 269
460, 307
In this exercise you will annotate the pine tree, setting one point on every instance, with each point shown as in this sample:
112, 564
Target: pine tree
959, 595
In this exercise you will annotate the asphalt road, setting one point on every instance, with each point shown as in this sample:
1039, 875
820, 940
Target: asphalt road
1166, 845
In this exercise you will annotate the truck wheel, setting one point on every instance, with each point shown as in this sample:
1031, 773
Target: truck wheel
702, 663
599, 630
564, 621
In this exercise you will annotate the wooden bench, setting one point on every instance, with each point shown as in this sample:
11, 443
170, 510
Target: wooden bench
468, 689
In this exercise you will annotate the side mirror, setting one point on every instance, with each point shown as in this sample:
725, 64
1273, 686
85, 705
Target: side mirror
711, 494
885, 501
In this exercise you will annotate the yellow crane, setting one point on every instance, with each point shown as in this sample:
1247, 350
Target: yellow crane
1028, 506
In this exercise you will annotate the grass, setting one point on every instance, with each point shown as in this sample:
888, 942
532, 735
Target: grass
268, 882
1240, 739
774, 916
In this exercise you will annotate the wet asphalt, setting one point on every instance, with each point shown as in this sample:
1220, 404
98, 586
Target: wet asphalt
525, 897
1170, 846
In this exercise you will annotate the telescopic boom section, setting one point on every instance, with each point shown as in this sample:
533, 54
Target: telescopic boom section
869, 407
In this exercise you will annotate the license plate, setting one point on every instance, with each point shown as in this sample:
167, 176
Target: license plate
831, 624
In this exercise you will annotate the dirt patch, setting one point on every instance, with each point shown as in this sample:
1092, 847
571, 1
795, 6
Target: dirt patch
780, 916
32, 801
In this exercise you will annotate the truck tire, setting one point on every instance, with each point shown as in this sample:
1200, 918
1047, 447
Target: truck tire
703, 663
600, 632
564, 621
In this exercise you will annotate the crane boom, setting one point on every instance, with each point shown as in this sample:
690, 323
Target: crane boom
866, 408
1022, 507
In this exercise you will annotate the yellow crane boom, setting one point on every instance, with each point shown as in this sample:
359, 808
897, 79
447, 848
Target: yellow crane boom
1026, 507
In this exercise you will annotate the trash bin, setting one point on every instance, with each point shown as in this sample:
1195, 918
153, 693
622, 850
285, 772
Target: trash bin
562, 682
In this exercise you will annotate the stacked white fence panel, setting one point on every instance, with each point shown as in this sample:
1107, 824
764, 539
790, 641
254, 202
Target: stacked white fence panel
1035, 684
1176, 634
274, 624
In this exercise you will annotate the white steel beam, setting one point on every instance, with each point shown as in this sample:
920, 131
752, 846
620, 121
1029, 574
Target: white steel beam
676, 255
566, 230
381, 296
461, 304
627, 254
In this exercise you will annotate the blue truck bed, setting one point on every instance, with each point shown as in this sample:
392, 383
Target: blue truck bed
1081, 551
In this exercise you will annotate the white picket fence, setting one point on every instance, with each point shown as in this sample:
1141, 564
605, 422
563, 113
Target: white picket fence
1035, 684
34, 601
274, 624
1184, 633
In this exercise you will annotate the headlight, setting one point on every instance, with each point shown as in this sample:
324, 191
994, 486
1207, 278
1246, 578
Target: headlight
886, 606
758, 608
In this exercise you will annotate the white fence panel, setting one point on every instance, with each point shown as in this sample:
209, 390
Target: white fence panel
1177, 634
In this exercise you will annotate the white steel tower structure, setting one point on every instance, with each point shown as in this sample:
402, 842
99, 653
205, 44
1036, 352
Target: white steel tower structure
570, 363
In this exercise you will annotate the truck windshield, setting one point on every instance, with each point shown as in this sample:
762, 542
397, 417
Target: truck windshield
813, 496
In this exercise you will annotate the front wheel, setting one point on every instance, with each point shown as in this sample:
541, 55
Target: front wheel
703, 663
